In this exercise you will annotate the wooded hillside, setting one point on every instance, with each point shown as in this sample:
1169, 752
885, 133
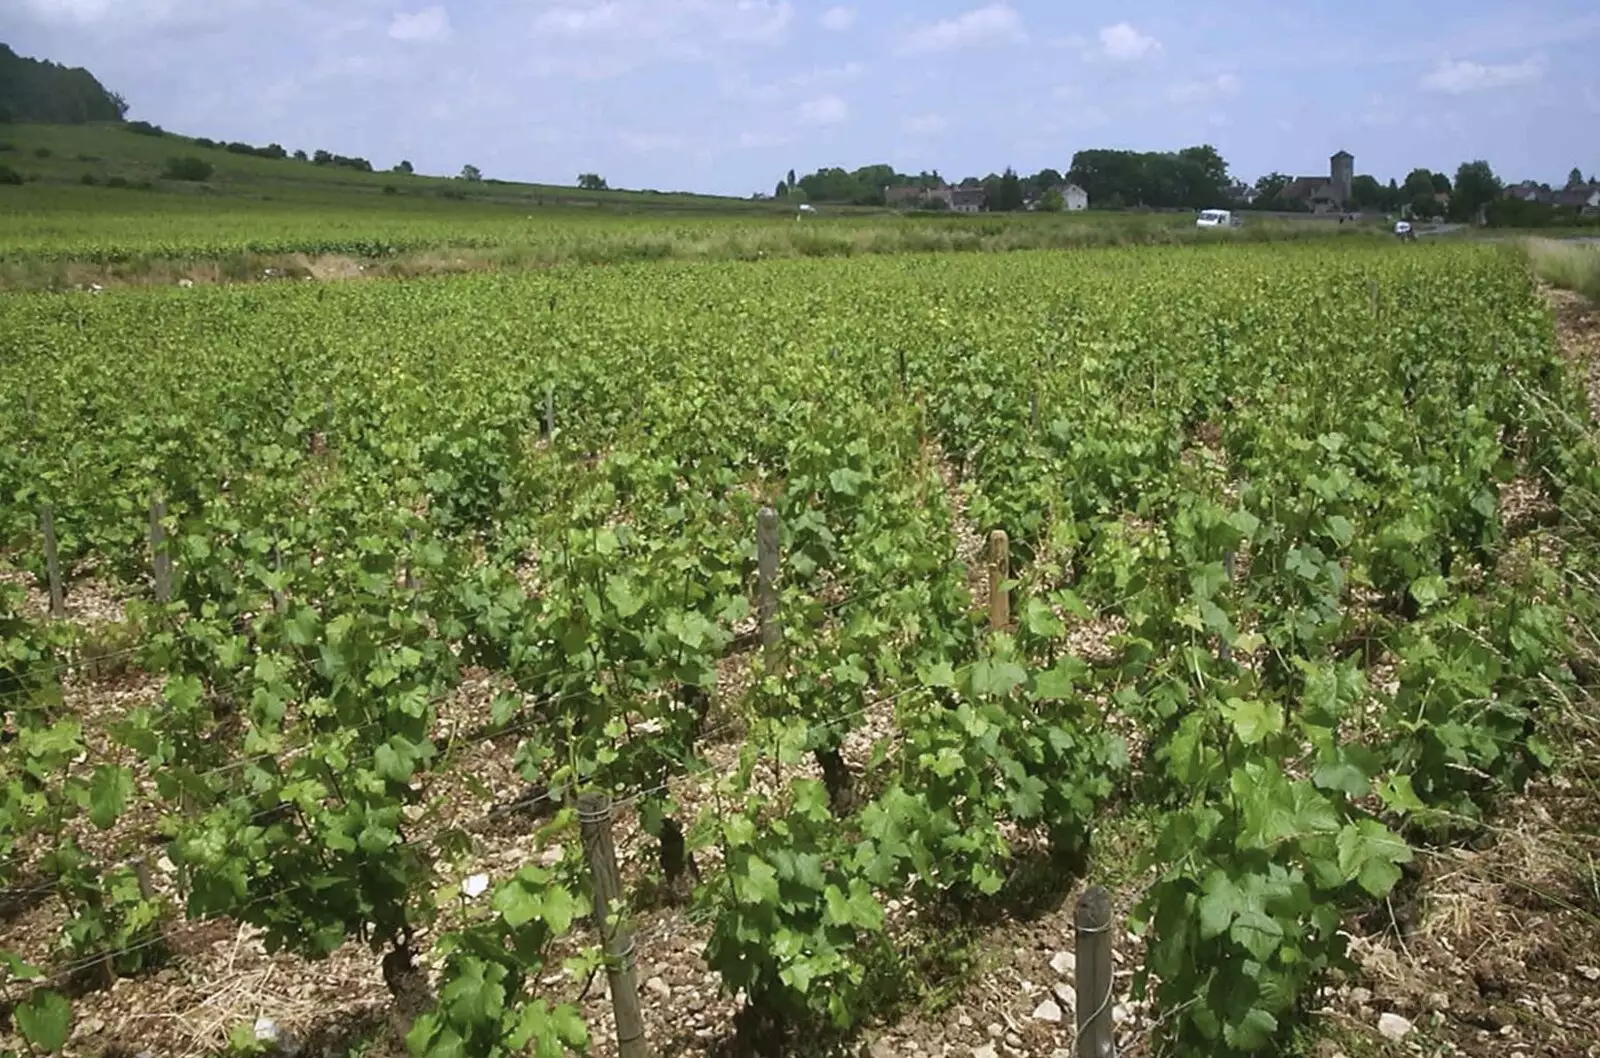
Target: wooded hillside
38, 90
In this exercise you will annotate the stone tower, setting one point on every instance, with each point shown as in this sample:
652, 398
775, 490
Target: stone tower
1342, 170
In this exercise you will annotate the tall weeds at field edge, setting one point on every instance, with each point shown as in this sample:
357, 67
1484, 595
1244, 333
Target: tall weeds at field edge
1571, 266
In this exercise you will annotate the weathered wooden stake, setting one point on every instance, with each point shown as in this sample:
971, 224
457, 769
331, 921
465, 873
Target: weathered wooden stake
411, 580
1096, 1028
52, 563
999, 573
594, 823
141, 871
903, 380
767, 583
161, 562
549, 409
279, 602
1225, 652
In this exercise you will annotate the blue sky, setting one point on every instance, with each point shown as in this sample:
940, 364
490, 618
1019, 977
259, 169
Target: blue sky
726, 95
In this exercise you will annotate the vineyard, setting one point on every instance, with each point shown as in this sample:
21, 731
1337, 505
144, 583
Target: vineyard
871, 592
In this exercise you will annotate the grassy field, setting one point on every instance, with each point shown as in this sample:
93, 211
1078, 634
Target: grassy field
1571, 266
65, 154
258, 218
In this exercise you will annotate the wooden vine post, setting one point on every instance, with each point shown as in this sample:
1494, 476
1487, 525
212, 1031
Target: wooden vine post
160, 559
594, 823
1096, 1027
1224, 651
767, 584
52, 563
279, 601
999, 574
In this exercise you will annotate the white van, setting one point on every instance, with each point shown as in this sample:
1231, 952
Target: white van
1216, 218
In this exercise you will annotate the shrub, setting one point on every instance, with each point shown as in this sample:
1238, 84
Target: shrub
7, 146
9, 175
89, 180
390, 189
144, 128
42, 152
190, 168
117, 181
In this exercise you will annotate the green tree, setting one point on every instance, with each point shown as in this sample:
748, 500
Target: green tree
592, 182
1366, 192
1202, 175
1419, 182
1425, 206
1047, 178
36, 90
1575, 178
1052, 201
781, 191
1441, 184
189, 168
1008, 194
789, 180
471, 173
1476, 187
831, 185
1269, 187
404, 167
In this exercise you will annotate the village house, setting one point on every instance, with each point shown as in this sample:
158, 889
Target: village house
941, 196
1324, 194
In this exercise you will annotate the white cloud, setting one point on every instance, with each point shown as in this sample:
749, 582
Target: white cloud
764, 139
741, 87
927, 124
652, 142
823, 110
130, 12
1207, 90
429, 24
734, 20
994, 24
1458, 76
838, 18
1125, 43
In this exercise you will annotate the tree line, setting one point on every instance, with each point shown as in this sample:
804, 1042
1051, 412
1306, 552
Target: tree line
1194, 177
39, 91
1476, 189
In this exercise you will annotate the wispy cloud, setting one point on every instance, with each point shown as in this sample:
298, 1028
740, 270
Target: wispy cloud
927, 124
1462, 75
823, 110
1206, 90
1125, 43
734, 20
741, 87
838, 18
994, 24
429, 24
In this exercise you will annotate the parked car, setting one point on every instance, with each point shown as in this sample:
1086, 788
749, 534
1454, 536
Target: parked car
1217, 218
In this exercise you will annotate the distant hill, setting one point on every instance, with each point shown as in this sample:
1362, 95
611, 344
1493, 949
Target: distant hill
38, 90
61, 129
